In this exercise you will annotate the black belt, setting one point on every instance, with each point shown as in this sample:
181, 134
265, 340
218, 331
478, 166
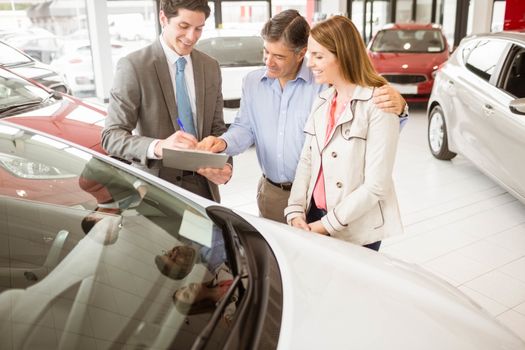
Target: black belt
189, 173
286, 186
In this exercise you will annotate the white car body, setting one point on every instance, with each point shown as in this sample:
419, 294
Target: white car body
477, 107
341, 296
106, 294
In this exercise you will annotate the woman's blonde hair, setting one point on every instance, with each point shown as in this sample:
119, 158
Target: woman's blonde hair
339, 35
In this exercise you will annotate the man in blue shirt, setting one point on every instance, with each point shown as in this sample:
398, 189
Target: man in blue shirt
275, 104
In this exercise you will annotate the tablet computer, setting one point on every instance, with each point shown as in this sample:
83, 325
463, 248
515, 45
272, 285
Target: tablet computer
192, 159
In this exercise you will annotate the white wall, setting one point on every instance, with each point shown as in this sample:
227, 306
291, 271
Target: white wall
333, 7
480, 13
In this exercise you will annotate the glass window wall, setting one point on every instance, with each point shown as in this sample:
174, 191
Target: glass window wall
423, 11
403, 11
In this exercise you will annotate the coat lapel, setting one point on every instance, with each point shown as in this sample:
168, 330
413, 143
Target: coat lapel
200, 86
321, 118
164, 77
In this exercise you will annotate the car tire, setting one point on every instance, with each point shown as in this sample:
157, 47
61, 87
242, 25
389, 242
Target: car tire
437, 135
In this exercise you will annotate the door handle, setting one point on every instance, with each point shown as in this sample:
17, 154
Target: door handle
488, 110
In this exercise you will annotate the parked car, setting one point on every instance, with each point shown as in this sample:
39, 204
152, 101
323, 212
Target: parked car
75, 62
238, 54
408, 56
146, 264
477, 107
37, 42
27, 103
26, 66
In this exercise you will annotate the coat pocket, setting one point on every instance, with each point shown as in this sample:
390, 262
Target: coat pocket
370, 221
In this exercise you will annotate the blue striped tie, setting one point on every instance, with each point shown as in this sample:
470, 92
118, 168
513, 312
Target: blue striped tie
183, 100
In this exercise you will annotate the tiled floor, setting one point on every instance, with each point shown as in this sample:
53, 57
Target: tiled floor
459, 224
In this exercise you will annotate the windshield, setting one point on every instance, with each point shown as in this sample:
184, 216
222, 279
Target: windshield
16, 93
239, 51
408, 41
11, 57
94, 257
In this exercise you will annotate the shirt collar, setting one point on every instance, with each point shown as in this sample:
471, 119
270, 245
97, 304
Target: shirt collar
171, 55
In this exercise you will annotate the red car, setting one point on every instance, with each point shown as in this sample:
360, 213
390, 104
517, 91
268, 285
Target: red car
408, 56
30, 104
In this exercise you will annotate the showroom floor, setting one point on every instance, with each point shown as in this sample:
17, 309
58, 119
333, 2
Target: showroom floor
459, 224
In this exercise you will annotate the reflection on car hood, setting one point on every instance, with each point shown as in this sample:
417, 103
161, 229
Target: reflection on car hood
394, 62
34, 73
68, 118
338, 296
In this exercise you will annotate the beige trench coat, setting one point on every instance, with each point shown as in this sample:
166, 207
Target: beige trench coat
358, 161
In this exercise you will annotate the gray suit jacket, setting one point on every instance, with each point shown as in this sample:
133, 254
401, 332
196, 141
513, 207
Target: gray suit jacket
142, 107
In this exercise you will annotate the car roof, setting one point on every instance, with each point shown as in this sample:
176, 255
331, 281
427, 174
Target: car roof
410, 26
508, 35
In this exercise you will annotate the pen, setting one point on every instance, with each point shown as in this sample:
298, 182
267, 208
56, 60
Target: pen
180, 125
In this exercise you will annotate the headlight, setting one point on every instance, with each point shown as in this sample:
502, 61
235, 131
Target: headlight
434, 71
31, 170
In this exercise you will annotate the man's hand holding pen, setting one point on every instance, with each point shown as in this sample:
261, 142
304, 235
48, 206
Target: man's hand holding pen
179, 139
183, 140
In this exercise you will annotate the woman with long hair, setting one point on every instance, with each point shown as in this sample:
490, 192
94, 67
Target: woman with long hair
343, 185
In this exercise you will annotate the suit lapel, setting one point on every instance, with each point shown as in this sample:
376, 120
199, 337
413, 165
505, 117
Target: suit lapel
198, 76
164, 77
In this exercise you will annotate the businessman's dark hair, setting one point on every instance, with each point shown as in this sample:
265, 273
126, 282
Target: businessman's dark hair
171, 7
288, 26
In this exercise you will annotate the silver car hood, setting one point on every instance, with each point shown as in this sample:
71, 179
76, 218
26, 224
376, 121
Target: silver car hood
338, 296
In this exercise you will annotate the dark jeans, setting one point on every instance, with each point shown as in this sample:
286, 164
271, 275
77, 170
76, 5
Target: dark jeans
315, 214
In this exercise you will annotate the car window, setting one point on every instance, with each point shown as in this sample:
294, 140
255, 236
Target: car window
92, 254
514, 82
467, 49
16, 92
232, 51
10, 57
484, 57
408, 41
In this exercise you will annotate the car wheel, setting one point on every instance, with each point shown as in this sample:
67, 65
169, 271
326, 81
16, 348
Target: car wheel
437, 135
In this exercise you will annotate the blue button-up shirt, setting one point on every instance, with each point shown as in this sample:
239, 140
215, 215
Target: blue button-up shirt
273, 119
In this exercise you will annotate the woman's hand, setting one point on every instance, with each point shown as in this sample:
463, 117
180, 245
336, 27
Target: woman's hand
300, 223
318, 227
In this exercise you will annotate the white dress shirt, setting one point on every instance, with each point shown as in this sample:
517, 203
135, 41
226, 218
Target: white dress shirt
172, 57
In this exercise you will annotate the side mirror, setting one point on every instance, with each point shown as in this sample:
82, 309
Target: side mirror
517, 106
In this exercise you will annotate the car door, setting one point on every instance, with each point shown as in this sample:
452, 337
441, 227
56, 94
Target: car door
476, 100
505, 137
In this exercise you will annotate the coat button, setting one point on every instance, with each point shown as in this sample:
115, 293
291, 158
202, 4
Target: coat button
334, 154
178, 178
339, 184
347, 132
